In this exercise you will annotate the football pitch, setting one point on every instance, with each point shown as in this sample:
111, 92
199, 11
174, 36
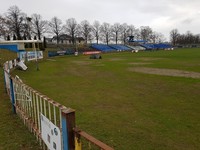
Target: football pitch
146, 100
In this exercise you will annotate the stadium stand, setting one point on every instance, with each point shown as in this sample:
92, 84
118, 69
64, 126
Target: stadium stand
162, 46
120, 47
103, 48
148, 46
114, 47
156, 46
136, 47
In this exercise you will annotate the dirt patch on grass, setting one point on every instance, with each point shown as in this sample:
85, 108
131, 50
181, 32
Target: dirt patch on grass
166, 72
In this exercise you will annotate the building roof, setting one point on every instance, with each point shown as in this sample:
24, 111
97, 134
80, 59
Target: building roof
20, 41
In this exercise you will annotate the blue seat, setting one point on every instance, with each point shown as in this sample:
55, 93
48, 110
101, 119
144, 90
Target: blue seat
102, 47
120, 47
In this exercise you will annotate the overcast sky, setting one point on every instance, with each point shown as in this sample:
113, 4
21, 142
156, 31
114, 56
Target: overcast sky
161, 15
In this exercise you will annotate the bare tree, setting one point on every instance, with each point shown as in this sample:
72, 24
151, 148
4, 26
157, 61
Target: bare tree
145, 32
197, 39
27, 26
116, 28
174, 36
124, 31
156, 37
85, 29
56, 27
131, 30
137, 35
4, 31
71, 27
106, 32
161, 38
39, 26
15, 21
187, 39
96, 30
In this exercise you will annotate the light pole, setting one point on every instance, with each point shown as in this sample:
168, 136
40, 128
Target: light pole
76, 50
29, 27
34, 42
34, 47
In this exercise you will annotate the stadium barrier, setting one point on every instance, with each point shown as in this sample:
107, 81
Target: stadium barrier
52, 123
60, 53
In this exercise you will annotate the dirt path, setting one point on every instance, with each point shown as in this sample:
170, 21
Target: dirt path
166, 72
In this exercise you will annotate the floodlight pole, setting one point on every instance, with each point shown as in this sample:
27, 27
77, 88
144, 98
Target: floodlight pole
29, 26
76, 49
36, 60
34, 42
76, 43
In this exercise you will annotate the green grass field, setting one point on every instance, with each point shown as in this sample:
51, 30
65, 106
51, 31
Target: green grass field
123, 107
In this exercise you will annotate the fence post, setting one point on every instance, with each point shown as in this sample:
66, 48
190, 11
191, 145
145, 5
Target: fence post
12, 94
4, 80
68, 124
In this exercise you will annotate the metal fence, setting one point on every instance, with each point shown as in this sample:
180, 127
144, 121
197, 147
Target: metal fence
31, 106
52, 123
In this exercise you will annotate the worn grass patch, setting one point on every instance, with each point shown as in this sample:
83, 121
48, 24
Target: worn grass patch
166, 72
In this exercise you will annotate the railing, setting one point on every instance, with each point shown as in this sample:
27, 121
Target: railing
31, 105
52, 123
82, 139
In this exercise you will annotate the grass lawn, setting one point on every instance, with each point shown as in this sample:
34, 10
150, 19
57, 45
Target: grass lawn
126, 108
13, 134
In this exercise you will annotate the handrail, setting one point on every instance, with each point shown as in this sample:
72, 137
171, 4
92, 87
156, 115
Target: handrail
91, 139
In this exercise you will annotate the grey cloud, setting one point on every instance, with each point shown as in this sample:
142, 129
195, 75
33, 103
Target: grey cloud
161, 14
187, 21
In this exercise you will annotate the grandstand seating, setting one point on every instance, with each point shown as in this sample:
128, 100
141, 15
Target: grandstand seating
102, 47
136, 47
114, 47
163, 46
148, 46
156, 46
111, 47
120, 47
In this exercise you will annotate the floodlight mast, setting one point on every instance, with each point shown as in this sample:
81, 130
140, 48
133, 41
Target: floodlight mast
36, 60
29, 26
76, 49
34, 42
